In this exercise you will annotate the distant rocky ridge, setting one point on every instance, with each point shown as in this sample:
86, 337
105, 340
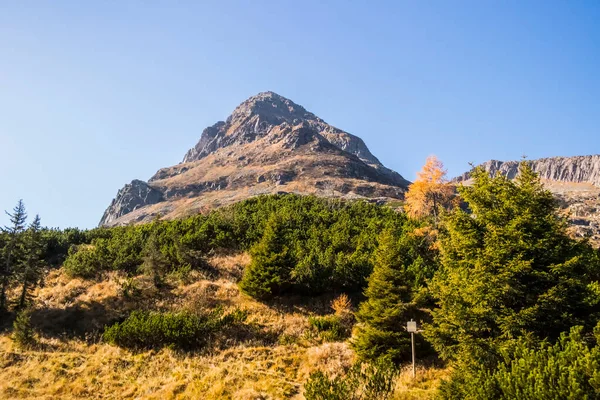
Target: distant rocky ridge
578, 169
575, 181
267, 145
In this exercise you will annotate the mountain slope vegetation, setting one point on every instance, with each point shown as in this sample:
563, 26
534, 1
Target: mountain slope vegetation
290, 296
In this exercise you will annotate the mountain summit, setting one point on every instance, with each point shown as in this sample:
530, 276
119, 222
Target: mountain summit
257, 116
268, 144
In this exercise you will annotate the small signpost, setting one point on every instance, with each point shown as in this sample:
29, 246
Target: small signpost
411, 326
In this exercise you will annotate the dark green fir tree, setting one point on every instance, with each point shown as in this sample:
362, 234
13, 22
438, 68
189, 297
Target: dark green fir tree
31, 270
269, 272
382, 317
13, 253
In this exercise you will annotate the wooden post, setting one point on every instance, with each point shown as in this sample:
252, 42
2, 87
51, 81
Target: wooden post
412, 341
411, 326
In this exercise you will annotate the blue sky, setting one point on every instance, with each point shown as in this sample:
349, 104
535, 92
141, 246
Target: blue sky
95, 94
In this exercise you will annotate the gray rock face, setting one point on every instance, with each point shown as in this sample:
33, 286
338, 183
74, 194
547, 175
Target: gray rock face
579, 169
258, 115
131, 197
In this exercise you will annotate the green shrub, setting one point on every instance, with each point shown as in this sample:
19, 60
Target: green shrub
374, 381
331, 328
23, 333
181, 274
83, 262
319, 245
320, 387
58, 242
569, 369
185, 331
129, 288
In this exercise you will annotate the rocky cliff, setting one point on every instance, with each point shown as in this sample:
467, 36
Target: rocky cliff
580, 169
131, 197
268, 144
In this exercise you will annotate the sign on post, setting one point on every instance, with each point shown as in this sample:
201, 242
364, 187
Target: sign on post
411, 326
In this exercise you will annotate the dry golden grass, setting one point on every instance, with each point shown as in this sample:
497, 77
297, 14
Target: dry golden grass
422, 386
270, 362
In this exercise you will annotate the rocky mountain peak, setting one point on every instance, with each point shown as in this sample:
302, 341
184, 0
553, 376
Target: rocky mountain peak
257, 117
129, 198
271, 107
269, 144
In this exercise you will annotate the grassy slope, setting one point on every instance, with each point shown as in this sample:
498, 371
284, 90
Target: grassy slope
269, 361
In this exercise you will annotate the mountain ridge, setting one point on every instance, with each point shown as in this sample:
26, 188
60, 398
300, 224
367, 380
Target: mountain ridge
575, 169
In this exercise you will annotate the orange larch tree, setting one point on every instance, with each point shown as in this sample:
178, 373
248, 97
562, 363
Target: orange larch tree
431, 192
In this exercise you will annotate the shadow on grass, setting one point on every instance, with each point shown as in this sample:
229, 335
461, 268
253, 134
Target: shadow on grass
310, 305
85, 320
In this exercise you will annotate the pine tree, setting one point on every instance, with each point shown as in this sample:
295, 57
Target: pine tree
13, 252
155, 262
508, 268
23, 333
31, 269
269, 272
388, 307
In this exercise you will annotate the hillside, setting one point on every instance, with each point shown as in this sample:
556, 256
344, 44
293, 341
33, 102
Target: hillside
271, 359
288, 296
267, 145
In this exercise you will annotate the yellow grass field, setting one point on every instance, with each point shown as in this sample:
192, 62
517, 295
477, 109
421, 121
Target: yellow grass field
270, 362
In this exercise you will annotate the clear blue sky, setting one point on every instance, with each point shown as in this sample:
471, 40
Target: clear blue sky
94, 94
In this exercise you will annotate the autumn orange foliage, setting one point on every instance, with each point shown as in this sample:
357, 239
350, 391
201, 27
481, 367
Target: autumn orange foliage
431, 192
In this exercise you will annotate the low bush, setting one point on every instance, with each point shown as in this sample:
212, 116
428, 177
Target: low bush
568, 369
83, 261
374, 381
298, 244
184, 330
331, 328
334, 327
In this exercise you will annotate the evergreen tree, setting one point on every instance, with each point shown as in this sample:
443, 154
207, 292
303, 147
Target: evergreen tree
508, 269
269, 272
388, 307
31, 269
23, 333
155, 263
13, 252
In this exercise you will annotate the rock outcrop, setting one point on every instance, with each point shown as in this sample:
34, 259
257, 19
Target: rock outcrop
131, 197
269, 144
